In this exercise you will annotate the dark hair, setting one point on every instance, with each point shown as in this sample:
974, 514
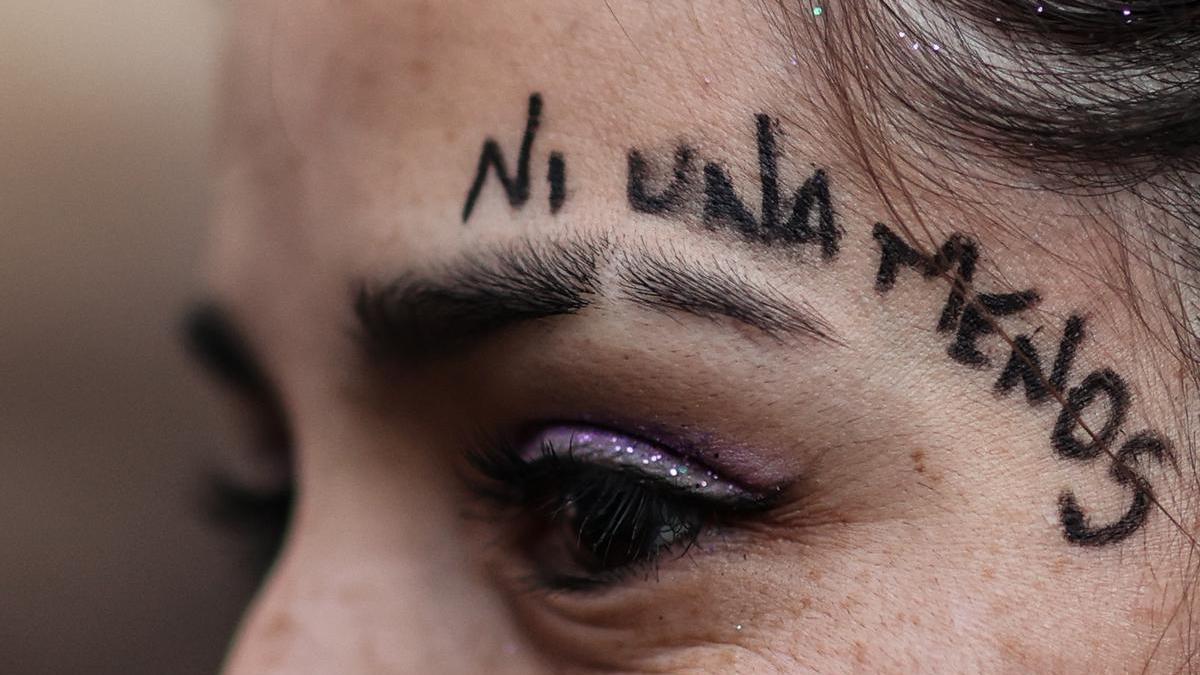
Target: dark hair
1097, 100
1094, 99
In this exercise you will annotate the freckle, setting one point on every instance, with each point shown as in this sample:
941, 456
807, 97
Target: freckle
989, 573
1015, 648
419, 68
918, 458
860, 651
279, 627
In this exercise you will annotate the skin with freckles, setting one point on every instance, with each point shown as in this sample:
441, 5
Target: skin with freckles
954, 452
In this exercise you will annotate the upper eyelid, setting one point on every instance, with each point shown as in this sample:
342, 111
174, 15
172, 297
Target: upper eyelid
623, 450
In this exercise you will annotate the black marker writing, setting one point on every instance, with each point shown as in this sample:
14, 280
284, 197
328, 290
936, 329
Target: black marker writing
1025, 365
669, 199
1104, 383
516, 187
957, 250
972, 316
978, 319
810, 218
557, 177
1076, 528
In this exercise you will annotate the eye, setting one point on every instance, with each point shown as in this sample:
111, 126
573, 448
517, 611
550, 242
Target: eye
592, 506
251, 492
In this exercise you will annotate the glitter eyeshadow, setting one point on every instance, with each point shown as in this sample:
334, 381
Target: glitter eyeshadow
602, 446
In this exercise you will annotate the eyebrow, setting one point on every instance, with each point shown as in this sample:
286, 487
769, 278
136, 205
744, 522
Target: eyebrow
211, 340
666, 280
472, 299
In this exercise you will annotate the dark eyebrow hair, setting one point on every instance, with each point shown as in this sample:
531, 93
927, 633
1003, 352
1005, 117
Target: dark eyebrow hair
211, 339
664, 279
474, 298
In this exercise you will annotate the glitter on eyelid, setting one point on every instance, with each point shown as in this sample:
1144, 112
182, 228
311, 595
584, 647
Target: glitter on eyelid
623, 451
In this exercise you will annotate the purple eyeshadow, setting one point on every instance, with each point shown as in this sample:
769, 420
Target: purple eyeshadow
604, 446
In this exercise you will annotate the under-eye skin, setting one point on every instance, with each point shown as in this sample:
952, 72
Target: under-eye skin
591, 506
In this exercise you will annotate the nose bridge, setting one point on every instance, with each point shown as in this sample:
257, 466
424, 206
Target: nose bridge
378, 574
351, 606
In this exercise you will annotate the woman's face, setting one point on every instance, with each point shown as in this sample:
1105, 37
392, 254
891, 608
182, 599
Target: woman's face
605, 344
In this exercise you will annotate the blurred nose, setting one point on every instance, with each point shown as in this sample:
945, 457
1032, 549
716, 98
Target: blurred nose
377, 577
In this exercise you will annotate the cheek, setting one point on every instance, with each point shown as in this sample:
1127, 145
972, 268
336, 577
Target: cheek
779, 608
825, 606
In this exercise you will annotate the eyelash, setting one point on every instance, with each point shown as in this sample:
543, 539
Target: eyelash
261, 516
622, 520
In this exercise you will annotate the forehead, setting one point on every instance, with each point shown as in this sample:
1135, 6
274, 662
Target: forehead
353, 134
362, 123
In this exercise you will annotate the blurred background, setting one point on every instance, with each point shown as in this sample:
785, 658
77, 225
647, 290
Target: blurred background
108, 563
